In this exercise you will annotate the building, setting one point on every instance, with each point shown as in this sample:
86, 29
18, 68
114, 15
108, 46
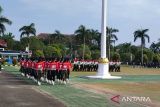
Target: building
10, 54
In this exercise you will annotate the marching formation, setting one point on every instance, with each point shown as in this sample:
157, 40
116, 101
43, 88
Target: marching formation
114, 66
58, 70
92, 65
85, 65
49, 70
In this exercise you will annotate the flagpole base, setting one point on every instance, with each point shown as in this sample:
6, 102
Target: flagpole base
103, 71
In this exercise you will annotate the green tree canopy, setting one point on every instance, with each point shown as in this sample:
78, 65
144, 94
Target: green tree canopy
49, 51
37, 53
142, 35
87, 52
9, 38
115, 57
156, 58
111, 37
35, 43
28, 30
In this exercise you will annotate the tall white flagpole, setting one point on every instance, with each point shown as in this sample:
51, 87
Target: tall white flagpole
103, 29
103, 66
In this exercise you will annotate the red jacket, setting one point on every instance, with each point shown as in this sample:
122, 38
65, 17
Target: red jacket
39, 66
46, 65
33, 64
29, 64
22, 63
53, 66
66, 66
26, 64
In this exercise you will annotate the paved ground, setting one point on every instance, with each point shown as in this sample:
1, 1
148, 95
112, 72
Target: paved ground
15, 92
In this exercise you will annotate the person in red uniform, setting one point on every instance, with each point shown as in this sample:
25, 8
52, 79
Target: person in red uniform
48, 63
29, 67
46, 69
33, 72
22, 61
60, 73
58, 69
39, 67
26, 67
66, 68
53, 67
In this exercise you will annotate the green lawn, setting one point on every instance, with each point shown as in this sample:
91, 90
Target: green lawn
134, 82
70, 96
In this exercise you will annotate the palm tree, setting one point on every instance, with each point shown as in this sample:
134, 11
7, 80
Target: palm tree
58, 35
142, 35
155, 47
81, 34
3, 21
111, 37
94, 35
28, 30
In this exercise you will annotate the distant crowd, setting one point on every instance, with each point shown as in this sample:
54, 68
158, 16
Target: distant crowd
145, 65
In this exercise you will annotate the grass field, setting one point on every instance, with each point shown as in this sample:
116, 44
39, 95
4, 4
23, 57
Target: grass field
84, 92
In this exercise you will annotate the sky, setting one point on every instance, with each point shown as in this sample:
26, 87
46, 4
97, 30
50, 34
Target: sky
67, 15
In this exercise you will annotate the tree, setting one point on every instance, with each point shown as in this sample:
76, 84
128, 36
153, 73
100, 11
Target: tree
9, 38
17, 46
149, 54
28, 30
155, 47
156, 58
116, 56
94, 38
95, 54
124, 47
81, 35
38, 53
49, 51
87, 54
142, 35
24, 42
58, 50
134, 49
111, 37
145, 58
35, 43
58, 35
126, 57
3, 21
